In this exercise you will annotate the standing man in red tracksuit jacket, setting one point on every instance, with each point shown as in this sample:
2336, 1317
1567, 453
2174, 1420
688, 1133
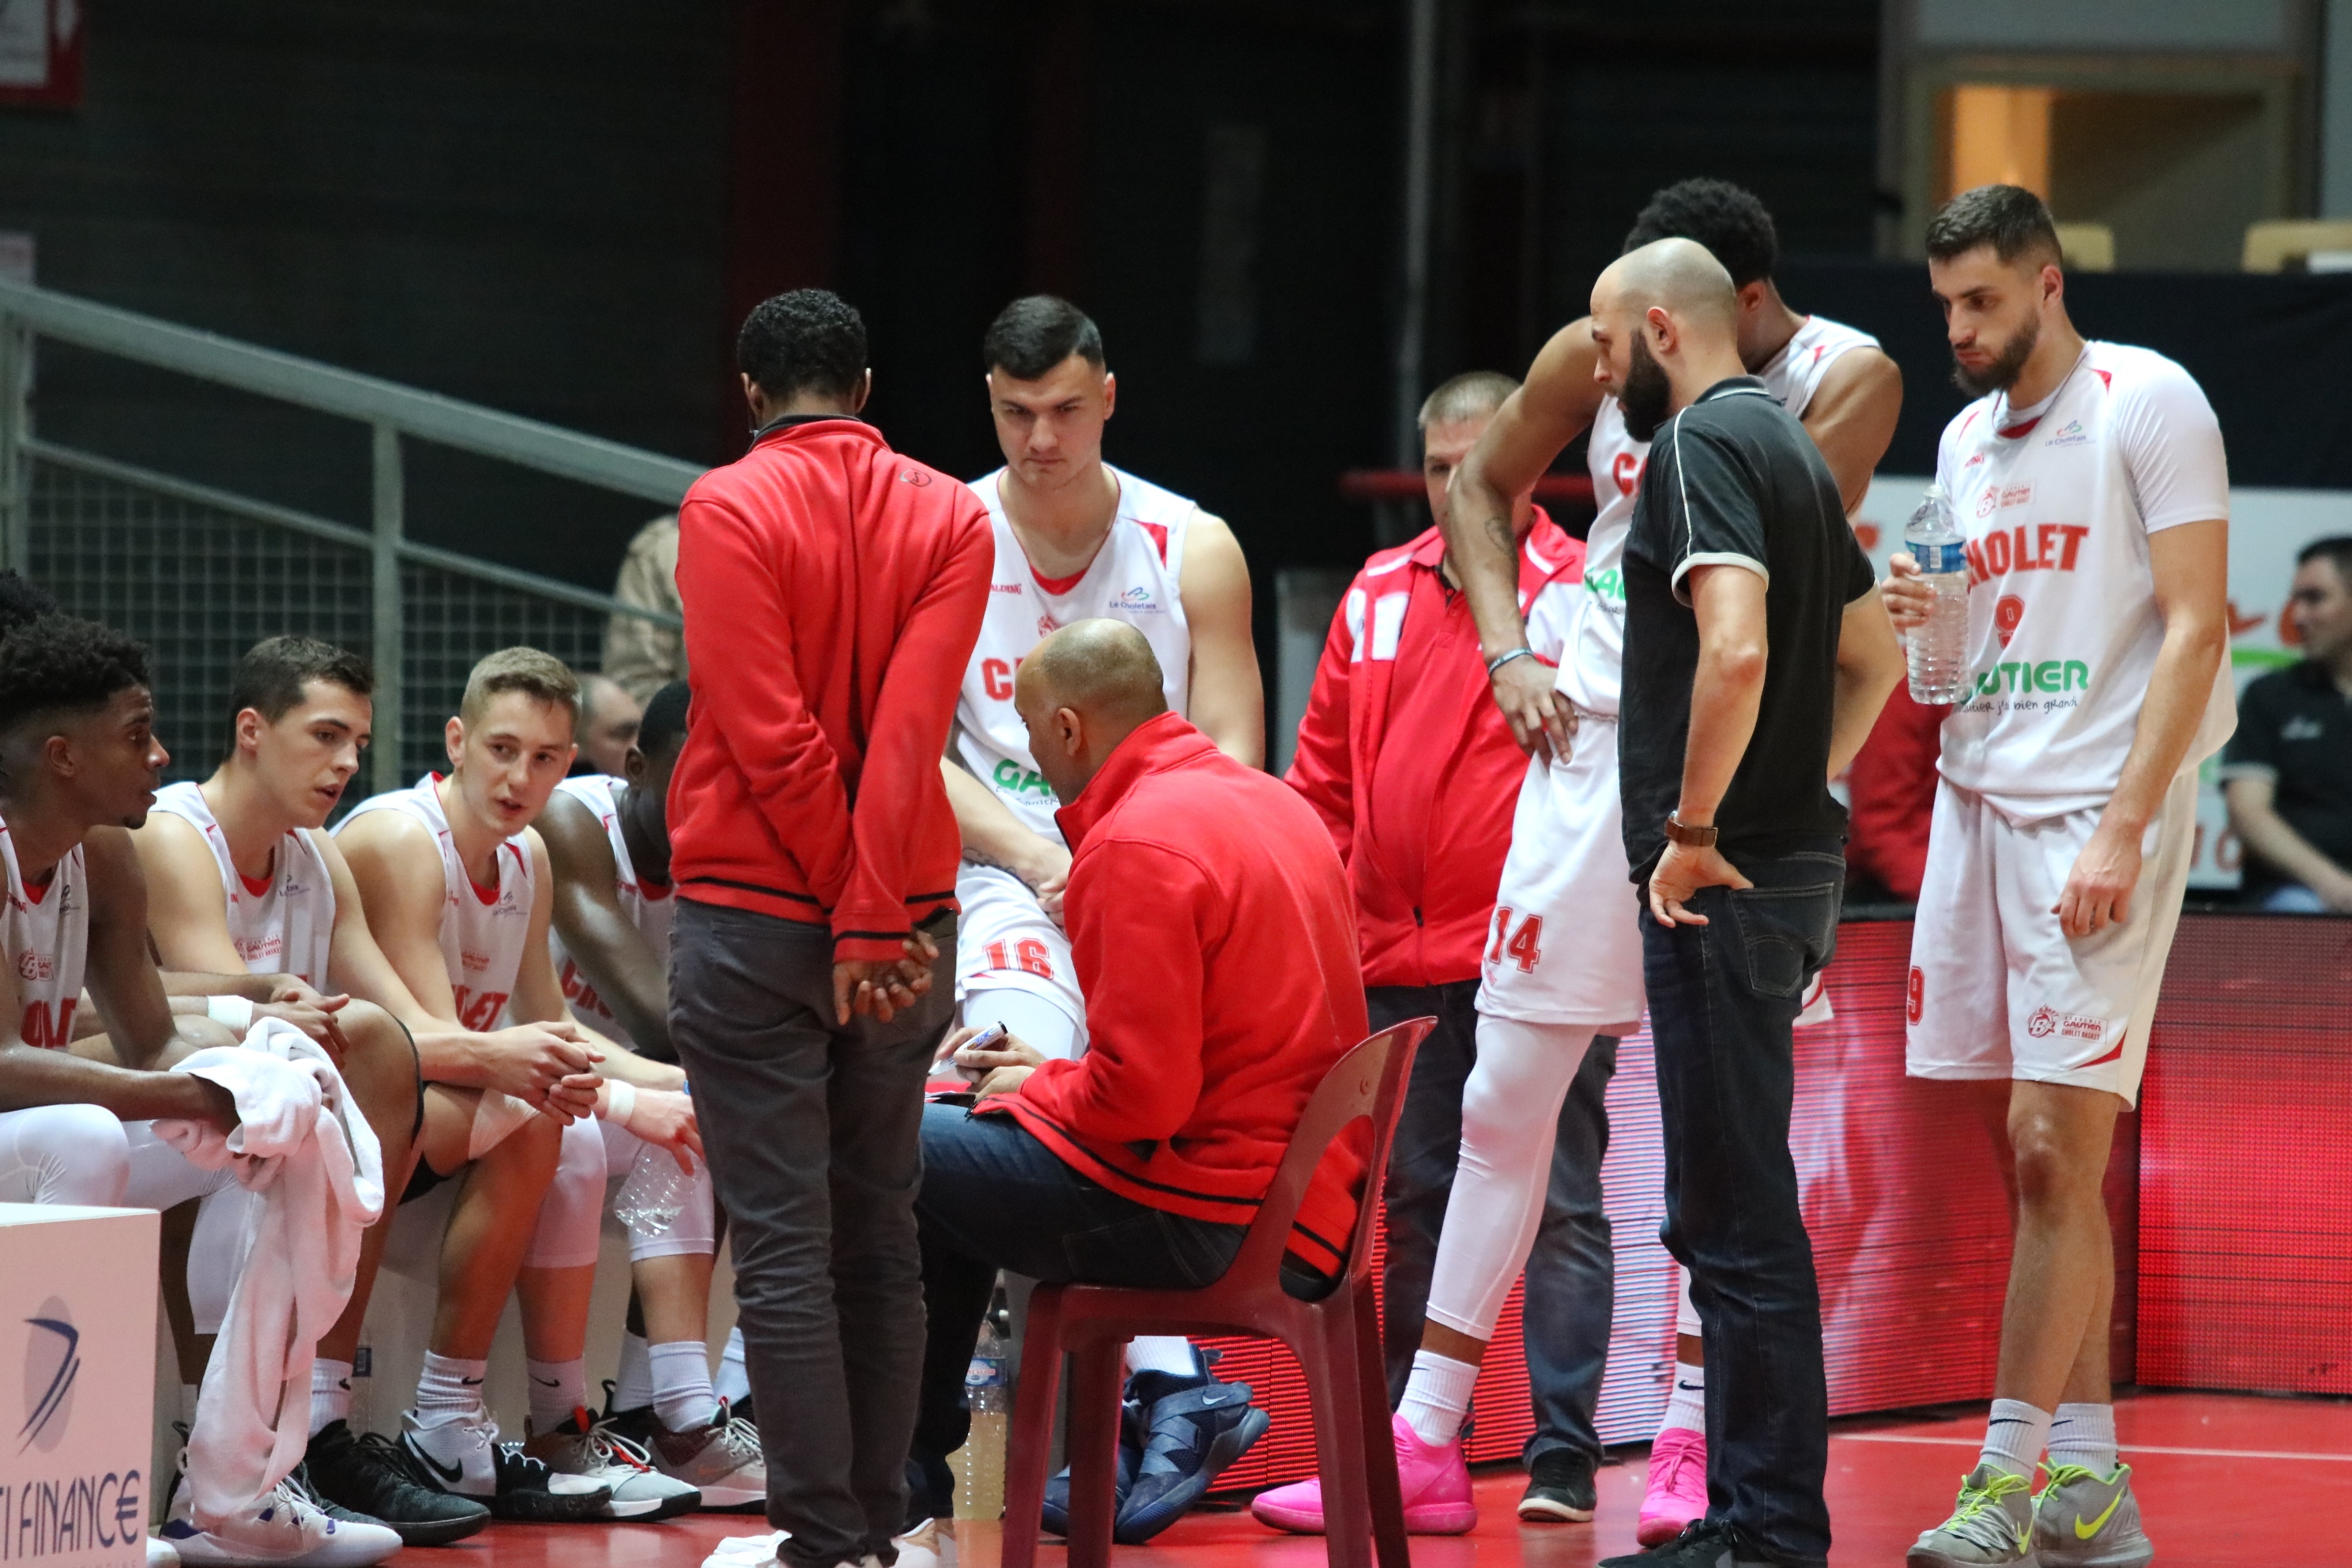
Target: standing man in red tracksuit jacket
1211, 928
1415, 775
832, 591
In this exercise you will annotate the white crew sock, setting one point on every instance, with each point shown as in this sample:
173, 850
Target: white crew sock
681, 1375
330, 1394
1170, 1353
1438, 1396
633, 1381
1686, 1406
450, 1389
2014, 1436
2085, 1435
557, 1389
733, 1383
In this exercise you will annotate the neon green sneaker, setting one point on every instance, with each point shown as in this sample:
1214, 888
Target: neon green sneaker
2083, 1521
1991, 1523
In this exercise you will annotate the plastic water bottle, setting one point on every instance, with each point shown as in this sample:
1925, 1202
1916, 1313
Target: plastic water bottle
656, 1194
1939, 649
988, 1391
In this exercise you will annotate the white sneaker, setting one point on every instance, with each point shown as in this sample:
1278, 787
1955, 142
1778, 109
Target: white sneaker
464, 1456
159, 1554
927, 1545
281, 1530
640, 1491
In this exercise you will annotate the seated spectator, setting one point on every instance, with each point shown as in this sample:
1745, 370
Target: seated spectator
2287, 773
609, 717
1215, 1007
641, 655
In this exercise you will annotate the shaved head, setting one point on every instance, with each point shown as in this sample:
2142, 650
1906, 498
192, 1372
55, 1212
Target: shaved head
1665, 320
1680, 276
1081, 691
1102, 669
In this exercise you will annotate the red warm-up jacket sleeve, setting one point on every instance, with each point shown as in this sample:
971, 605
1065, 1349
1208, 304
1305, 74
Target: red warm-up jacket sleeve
747, 685
1139, 1081
1322, 769
1891, 790
901, 776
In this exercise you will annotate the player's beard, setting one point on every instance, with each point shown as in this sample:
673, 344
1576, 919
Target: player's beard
2006, 366
1648, 396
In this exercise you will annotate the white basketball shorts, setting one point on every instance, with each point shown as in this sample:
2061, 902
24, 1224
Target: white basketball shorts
1004, 940
1564, 945
1997, 990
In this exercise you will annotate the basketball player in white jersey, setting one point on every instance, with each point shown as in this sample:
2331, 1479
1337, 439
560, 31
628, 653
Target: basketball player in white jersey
1076, 540
79, 763
248, 896
1556, 974
2090, 482
451, 871
608, 851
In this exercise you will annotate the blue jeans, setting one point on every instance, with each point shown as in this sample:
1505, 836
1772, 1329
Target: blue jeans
1723, 998
1572, 1274
993, 1197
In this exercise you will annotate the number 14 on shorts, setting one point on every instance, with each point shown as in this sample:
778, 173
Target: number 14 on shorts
1524, 945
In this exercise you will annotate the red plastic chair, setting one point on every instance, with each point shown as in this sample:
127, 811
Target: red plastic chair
1337, 1341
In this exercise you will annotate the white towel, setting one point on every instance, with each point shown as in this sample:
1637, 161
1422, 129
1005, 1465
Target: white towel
314, 1162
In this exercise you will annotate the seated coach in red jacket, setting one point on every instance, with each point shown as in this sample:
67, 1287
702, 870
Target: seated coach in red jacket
1215, 944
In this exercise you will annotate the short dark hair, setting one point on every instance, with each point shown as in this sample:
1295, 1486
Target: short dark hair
1036, 332
269, 678
810, 340
58, 664
2336, 548
2009, 219
662, 726
1725, 219
21, 600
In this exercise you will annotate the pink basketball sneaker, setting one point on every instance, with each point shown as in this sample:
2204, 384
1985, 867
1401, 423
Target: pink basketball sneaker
1432, 1478
1677, 1491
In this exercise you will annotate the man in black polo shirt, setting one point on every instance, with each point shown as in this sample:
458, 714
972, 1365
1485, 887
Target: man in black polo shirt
1756, 656
2287, 773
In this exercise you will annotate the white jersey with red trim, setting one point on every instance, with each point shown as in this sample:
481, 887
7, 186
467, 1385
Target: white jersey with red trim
1591, 677
2058, 502
1134, 577
648, 906
287, 925
483, 930
46, 940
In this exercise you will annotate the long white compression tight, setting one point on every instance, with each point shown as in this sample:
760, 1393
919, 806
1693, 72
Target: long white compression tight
1510, 1110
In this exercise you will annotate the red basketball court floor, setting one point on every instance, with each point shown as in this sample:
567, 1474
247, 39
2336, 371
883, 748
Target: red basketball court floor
2226, 1480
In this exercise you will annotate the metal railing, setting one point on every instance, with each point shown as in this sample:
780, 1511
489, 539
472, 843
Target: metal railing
200, 573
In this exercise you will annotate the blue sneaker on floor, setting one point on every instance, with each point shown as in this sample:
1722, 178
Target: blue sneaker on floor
1193, 1428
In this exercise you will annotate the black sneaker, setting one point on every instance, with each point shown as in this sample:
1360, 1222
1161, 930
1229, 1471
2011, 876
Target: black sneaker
1560, 1488
371, 1477
1704, 1544
465, 1457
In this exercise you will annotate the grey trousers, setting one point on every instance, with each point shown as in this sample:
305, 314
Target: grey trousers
813, 1132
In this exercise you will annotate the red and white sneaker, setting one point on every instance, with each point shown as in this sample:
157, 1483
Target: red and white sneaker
1432, 1480
1677, 1489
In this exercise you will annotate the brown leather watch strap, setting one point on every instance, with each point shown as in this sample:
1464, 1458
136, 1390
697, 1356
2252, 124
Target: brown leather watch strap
1682, 832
